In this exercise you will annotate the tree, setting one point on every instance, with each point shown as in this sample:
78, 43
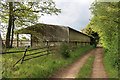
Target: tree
94, 35
24, 14
1, 42
105, 22
9, 24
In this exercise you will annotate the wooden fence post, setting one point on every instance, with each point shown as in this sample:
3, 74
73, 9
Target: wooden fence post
24, 56
21, 58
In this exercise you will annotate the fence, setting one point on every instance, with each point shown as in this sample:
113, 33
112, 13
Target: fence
48, 51
48, 47
22, 59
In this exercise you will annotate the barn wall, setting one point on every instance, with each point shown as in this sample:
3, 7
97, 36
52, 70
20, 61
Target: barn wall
55, 35
76, 36
52, 33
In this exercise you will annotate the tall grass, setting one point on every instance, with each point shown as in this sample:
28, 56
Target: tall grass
41, 67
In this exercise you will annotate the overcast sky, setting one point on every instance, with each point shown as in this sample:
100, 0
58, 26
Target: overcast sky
75, 14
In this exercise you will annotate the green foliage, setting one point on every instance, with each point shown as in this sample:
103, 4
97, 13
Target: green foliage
94, 35
105, 22
42, 67
85, 71
65, 51
109, 62
26, 13
25, 38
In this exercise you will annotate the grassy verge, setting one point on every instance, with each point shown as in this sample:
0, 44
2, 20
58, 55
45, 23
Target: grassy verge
86, 70
41, 67
111, 70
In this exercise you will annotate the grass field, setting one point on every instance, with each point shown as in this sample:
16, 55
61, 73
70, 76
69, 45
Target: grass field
86, 70
41, 67
111, 70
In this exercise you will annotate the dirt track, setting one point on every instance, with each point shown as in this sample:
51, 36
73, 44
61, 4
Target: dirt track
98, 70
72, 70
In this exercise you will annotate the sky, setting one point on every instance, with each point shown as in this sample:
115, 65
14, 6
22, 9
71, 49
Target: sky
74, 13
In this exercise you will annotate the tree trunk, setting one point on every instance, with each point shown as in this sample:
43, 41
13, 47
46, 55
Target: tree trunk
7, 43
3, 46
12, 33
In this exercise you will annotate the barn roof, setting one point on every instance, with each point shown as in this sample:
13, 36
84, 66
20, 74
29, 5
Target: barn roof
32, 28
35, 29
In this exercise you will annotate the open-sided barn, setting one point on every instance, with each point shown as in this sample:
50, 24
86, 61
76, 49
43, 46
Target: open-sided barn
54, 33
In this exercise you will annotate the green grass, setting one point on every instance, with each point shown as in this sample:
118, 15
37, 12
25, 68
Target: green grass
86, 70
41, 67
111, 70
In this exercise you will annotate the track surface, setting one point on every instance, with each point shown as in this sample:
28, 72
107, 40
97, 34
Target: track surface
98, 70
73, 69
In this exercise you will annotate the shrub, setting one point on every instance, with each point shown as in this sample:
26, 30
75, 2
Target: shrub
65, 51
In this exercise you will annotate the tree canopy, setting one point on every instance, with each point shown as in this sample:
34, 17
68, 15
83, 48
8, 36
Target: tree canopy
105, 22
94, 35
24, 14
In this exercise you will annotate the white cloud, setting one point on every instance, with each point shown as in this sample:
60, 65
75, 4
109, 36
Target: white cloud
75, 13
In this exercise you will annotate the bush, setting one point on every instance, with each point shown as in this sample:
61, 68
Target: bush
65, 51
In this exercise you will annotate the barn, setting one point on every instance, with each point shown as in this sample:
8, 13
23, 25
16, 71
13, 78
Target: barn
54, 35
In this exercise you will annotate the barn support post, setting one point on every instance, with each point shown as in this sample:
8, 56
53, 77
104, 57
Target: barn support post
47, 43
31, 40
17, 39
76, 44
85, 43
47, 48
